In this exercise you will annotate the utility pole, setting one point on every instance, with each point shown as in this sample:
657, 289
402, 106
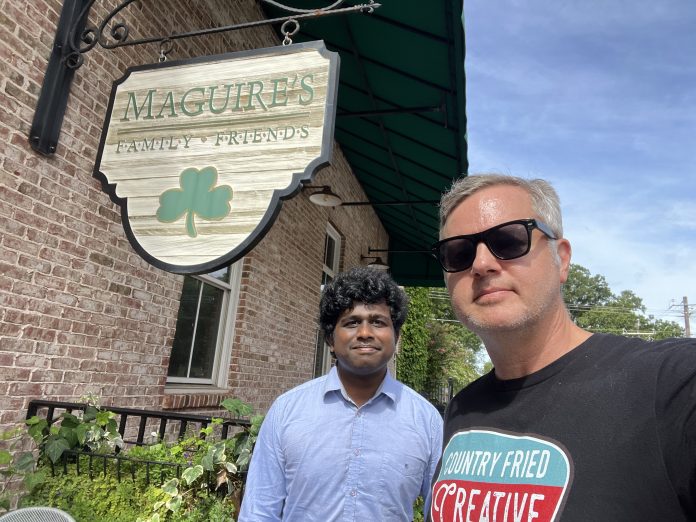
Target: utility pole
688, 310
687, 313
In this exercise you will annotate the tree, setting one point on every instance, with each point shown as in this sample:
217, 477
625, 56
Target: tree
453, 356
583, 291
436, 350
412, 364
593, 306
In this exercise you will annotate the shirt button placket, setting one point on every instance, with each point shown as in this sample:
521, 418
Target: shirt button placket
354, 467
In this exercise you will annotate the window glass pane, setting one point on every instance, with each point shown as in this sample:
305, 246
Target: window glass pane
329, 252
319, 355
203, 360
325, 278
185, 322
332, 247
222, 274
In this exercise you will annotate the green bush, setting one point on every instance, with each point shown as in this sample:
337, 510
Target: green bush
15, 467
106, 499
101, 498
207, 488
412, 362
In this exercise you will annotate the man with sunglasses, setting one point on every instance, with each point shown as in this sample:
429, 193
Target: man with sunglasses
569, 425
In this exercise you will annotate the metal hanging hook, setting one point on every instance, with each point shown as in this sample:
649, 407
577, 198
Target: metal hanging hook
288, 32
166, 47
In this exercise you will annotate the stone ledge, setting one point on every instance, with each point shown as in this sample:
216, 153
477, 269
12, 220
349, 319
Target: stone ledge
181, 400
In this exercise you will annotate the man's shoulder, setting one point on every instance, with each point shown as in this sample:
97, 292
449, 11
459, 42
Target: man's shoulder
412, 396
301, 391
631, 347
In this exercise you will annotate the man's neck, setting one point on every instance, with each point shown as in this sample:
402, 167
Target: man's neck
360, 388
520, 353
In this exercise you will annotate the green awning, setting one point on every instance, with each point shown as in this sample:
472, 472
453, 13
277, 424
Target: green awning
401, 120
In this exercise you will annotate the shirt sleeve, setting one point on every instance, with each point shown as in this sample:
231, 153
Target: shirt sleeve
435, 453
675, 408
265, 490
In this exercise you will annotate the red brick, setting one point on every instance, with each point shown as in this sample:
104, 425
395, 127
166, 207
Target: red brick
39, 334
16, 374
47, 376
31, 361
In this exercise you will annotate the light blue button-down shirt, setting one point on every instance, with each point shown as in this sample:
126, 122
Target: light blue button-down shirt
320, 458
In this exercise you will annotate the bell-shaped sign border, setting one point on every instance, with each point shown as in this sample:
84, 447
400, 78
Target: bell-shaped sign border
200, 153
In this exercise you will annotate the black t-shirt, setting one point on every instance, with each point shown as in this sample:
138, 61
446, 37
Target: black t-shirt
605, 433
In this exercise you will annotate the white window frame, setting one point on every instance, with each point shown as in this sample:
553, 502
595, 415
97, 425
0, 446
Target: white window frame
331, 271
225, 337
328, 272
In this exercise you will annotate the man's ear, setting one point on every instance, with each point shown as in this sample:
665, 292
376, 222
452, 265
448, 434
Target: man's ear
564, 254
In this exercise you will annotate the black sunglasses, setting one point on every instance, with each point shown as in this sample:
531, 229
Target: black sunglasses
505, 241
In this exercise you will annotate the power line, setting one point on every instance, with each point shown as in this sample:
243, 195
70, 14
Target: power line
604, 308
687, 310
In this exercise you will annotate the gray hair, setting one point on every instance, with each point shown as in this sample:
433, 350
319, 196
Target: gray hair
545, 201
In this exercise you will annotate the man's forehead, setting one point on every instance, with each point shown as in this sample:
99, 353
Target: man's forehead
489, 197
377, 308
492, 205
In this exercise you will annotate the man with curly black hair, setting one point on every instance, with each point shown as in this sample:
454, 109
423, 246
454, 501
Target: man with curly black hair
355, 444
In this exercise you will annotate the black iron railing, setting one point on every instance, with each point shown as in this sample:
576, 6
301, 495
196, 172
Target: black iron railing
166, 423
174, 425
123, 467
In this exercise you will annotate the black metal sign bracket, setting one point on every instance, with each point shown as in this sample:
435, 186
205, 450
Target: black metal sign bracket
53, 99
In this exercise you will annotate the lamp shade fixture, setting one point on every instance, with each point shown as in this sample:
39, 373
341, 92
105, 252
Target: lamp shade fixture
376, 263
325, 197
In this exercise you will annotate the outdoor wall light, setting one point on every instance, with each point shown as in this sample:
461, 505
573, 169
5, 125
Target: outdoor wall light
324, 197
371, 250
377, 262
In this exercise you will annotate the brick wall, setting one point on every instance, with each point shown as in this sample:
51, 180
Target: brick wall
277, 324
80, 311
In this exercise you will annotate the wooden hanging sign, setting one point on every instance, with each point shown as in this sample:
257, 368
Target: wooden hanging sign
201, 153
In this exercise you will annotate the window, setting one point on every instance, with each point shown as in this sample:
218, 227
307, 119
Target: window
332, 255
204, 327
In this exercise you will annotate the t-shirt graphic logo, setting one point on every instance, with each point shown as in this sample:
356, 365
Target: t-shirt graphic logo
491, 476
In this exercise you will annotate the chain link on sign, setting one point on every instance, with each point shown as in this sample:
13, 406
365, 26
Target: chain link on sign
289, 29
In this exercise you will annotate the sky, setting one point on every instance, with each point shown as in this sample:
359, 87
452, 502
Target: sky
599, 98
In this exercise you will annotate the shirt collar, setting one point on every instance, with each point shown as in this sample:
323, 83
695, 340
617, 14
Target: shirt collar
389, 387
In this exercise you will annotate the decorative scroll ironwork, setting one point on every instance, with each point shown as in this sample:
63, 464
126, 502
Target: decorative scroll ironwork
118, 33
74, 37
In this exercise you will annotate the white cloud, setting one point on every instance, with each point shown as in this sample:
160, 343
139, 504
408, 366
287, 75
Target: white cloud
599, 98
634, 247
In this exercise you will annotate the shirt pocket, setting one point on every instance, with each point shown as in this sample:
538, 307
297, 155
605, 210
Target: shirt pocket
401, 477
403, 464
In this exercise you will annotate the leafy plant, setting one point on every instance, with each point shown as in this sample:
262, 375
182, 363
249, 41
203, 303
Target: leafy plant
418, 506
412, 363
103, 497
94, 430
16, 465
215, 466
207, 489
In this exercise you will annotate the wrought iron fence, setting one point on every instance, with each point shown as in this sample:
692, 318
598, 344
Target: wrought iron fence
110, 463
167, 425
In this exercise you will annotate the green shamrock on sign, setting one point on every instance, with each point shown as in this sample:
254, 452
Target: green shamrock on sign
196, 196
